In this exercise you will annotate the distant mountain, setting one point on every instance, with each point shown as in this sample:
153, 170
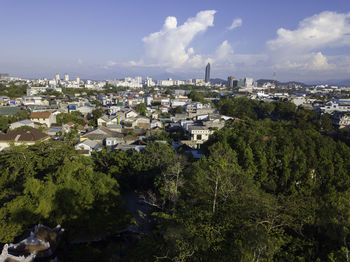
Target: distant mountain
334, 82
280, 84
218, 81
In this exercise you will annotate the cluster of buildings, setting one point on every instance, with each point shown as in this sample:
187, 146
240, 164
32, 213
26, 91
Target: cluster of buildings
122, 127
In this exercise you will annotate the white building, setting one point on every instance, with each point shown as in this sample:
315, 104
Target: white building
334, 106
66, 77
199, 134
22, 123
46, 118
149, 82
248, 82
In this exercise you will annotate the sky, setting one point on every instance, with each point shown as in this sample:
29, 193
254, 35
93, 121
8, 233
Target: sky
305, 40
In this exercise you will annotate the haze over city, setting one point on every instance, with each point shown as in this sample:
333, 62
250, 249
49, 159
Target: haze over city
299, 40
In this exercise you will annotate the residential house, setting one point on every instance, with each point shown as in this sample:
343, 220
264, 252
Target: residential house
341, 120
22, 123
130, 114
45, 118
20, 137
108, 120
199, 134
86, 147
100, 134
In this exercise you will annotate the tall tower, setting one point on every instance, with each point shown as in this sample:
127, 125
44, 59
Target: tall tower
231, 81
207, 73
57, 77
66, 77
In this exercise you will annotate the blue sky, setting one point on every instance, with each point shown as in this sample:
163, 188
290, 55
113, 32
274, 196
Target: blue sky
299, 40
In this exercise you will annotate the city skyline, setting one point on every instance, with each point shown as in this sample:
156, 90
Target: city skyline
299, 41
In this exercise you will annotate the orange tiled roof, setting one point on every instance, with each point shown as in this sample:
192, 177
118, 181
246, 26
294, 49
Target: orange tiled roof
40, 114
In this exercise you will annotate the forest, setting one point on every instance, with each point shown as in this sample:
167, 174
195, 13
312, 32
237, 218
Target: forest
273, 186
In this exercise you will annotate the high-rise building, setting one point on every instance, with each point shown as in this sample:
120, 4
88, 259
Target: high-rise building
207, 73
66, 77
231, 81
77, 80
58, 77
248, 82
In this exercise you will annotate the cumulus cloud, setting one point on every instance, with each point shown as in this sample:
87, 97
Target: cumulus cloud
301, 49
308, 62
318, 31
109, 64
169, 47
224, 52
235, 23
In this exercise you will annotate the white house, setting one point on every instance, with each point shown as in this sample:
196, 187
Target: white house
21, 123
199, 134
86, 147
108, 121
130, 114
46, 118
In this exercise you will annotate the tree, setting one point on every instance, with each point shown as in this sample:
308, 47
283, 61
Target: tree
141, 109
22, 114
178, 110
196, 96
51, 184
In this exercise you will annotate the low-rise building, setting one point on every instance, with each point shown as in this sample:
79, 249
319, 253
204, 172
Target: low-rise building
46, 118
87, 146
199, 134
341, 120
20, 137
22, 123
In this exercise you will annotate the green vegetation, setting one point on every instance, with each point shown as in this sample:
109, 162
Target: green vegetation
141, 109
74, 117
96, 114
266, 190
197, 97
51, 184
13, 89
273, 186
5, 121
178, 110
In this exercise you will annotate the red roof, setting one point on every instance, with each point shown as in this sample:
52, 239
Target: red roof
40, 114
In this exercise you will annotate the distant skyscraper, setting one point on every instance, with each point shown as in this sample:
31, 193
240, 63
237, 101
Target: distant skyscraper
77, 80
231, 81
66, 77
207, 73
58, 77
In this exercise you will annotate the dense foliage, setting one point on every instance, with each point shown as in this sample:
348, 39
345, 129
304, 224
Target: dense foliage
266, 191
74, 117
13, 89
49, 183
273, 186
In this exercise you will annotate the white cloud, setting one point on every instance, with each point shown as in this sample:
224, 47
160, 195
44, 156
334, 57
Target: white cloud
308, 62
235, 23
169, 46
224, 52
298, 52
302, 49
318, 31
109, 64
